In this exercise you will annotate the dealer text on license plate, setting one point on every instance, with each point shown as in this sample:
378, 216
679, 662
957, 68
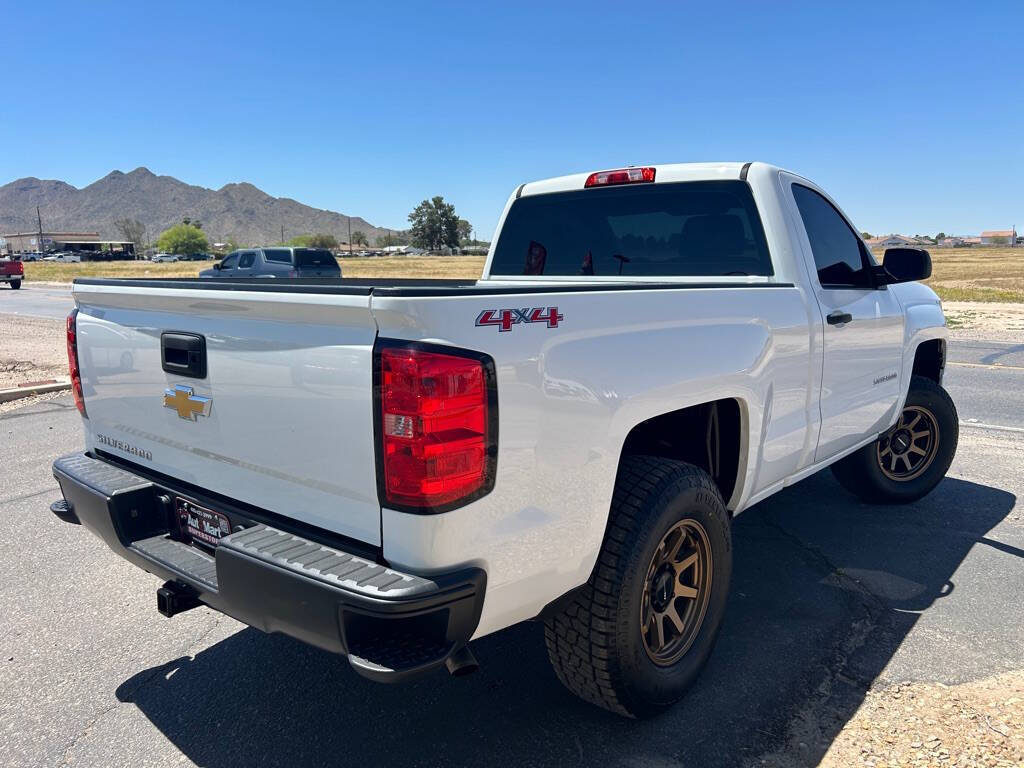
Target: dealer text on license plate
200, 523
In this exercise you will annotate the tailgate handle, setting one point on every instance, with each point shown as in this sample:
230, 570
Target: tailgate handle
183, 354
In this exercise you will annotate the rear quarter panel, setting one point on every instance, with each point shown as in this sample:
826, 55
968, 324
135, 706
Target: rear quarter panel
568, 397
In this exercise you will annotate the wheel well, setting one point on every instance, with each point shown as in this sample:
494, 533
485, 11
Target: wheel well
706, 435
930, 359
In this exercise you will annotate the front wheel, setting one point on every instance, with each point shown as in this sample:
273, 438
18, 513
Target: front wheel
910, 459
635, 637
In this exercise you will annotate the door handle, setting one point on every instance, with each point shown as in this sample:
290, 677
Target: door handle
839, 318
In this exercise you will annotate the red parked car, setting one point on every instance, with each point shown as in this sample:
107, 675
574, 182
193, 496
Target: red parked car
11, 271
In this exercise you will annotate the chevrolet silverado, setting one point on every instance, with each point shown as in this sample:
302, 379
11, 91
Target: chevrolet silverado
391, 469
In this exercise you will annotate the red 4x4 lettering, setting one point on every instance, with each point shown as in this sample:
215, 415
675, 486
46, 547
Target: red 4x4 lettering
506, 318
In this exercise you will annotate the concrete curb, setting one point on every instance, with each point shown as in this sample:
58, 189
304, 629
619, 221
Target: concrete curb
6, 395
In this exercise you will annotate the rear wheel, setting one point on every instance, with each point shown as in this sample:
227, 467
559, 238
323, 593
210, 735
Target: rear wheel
635, 637
910, 459
15, 284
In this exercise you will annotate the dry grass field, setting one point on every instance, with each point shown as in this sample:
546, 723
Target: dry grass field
387, 266
959, 274
977, 274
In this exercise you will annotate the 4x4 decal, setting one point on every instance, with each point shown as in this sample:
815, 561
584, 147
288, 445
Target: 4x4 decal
506, 318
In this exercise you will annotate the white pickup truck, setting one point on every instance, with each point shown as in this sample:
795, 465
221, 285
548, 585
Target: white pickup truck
388, 470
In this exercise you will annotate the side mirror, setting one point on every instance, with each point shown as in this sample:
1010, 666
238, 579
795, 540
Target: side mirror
216, 265
903, 265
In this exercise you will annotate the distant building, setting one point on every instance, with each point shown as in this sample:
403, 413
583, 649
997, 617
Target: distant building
950, 242
999, 237
892, 241
82, 243
28, 242
409, 250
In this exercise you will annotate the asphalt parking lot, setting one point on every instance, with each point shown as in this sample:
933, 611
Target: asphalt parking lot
830, 596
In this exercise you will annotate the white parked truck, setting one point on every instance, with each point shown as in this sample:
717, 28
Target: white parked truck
390, 469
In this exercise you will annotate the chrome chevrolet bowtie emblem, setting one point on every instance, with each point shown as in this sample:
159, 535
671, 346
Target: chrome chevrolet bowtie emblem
187, 404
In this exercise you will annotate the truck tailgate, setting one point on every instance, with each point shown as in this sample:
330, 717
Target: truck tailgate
288, 426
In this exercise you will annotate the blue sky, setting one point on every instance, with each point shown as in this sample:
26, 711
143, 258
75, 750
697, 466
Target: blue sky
910, 114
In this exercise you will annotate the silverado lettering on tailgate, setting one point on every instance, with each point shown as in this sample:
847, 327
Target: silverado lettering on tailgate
123, 446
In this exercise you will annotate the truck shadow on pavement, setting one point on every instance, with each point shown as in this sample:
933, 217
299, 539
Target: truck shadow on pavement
825, 589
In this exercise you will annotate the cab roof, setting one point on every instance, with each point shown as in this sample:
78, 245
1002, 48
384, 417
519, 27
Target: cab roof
664, 173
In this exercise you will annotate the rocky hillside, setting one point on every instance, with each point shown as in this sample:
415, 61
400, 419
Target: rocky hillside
241, 211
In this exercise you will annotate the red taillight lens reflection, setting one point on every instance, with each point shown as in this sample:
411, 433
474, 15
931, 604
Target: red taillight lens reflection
73, 370
621, 176
436, 427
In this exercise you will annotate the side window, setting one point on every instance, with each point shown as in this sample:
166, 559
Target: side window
230, 261
838, 253
247, 260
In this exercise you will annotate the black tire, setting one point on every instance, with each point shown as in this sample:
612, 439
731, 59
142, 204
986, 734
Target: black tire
596, 642
880, 477
15, 284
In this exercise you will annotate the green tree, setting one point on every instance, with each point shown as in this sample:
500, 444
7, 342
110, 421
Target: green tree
359, 238
465, 232
322, 240
940, 236
1000, 240
866, 235
183, 239
392, 238
434, 224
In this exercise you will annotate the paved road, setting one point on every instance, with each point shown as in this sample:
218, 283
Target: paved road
829, 596
37, 300
987, 380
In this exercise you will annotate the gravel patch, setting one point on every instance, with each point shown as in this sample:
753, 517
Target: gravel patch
31, 349
978, 321
968, 726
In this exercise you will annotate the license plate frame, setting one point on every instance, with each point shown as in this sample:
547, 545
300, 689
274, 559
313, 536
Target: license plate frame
201, 524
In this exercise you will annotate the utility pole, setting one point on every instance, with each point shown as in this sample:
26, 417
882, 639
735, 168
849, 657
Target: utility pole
282, 234
39, 220
349, 235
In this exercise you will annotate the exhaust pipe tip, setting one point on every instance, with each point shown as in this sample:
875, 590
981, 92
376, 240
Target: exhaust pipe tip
462, 662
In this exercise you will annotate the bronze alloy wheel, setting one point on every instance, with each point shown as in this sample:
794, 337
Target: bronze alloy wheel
909, 448
676, 592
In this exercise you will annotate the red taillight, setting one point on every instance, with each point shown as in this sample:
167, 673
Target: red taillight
73, 370
438, 427
620, 176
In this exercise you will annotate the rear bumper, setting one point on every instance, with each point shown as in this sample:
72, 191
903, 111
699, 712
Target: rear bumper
391, 625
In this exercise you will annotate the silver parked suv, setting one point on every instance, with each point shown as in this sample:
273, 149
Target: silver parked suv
276, 262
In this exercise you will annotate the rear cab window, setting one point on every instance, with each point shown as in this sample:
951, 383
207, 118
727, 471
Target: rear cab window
702, 228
